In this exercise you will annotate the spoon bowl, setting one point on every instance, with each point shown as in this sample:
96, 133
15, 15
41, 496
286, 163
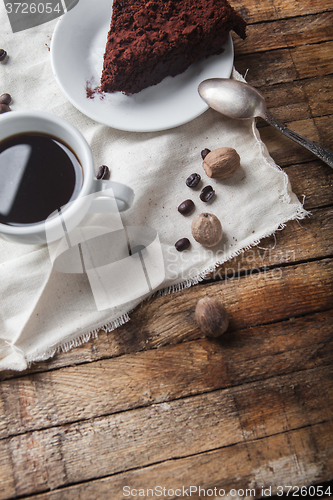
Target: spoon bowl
232, 98
239, 100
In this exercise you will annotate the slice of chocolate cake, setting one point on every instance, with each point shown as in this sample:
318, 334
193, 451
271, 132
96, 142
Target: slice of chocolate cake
151, 39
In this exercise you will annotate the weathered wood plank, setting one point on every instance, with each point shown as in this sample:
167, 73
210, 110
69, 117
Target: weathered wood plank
220, 469
308, 287
319, 94
108, 445
286, 65
317, 193
283, 8
253, 11
268, 10
313, 60
266, 68
324, 125
300, 100
7, 482
127, 382
297, 31
69, 395
287, 101
286, 347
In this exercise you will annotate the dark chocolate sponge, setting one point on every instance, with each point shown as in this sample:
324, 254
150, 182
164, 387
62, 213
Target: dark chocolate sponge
151, 39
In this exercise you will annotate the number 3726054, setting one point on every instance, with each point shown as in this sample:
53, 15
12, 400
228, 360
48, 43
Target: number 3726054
303, 491
33, 8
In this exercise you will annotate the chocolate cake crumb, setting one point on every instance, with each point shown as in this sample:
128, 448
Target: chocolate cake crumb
92, 91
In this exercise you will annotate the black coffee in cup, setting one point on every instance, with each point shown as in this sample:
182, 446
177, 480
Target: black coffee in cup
39, 174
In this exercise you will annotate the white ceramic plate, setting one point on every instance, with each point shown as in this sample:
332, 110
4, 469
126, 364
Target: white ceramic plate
77, 50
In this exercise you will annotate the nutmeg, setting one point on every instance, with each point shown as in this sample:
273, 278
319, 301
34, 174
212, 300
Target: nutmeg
207, 229
221, 163
211, 317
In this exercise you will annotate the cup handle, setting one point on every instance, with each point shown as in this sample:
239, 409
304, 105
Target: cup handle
121, 194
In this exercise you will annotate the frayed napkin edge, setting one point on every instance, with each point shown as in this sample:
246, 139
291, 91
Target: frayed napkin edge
79, 339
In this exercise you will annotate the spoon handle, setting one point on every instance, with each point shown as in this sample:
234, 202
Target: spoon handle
324, 154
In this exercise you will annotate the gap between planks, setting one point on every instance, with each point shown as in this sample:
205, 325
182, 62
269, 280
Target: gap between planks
174, 372
242, 297
230, 417
179, 468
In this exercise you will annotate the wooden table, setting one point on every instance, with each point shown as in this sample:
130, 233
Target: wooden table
153, 404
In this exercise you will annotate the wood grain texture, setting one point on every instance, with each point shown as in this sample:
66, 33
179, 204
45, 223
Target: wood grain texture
154, 403
270, 10
189, 426
308, 287
220, 469
286, 65
299, 100
191, 368
293, 32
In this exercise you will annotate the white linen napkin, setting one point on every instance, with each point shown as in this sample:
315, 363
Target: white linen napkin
44, 309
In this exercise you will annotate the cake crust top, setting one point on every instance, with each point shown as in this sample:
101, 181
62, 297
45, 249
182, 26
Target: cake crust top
150, 25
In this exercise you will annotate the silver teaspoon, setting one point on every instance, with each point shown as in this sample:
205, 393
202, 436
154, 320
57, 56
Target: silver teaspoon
239, 100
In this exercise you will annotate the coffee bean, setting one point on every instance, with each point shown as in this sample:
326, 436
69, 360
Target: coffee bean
204, 153
182, 244
3, 54
193, 180
4, 108
103, 172
186, 207
207, 193
5, 99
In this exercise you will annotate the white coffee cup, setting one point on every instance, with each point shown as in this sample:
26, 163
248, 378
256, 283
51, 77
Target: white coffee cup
16, 122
